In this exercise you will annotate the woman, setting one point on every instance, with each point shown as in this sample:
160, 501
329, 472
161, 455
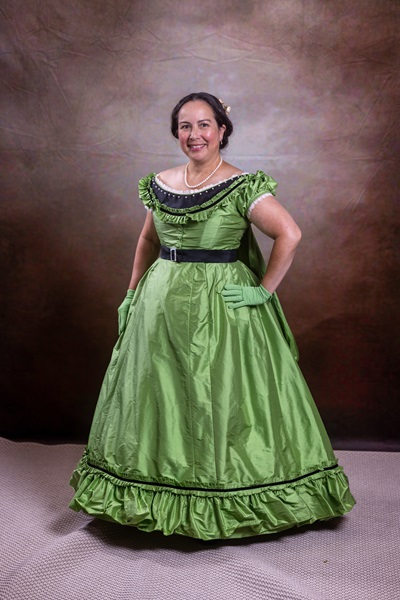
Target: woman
205, 426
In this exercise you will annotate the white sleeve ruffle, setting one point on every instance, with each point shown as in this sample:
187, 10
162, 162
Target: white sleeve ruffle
256, 201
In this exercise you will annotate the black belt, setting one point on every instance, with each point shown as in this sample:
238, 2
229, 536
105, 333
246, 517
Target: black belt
193, 255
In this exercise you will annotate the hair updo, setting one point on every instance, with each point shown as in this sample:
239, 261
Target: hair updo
219, 113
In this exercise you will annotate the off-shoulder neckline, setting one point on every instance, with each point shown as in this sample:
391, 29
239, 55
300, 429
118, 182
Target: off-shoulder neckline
167, 188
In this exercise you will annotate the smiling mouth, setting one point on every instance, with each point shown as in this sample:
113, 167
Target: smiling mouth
196, 146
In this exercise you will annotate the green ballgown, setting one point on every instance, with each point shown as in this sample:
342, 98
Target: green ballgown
205, 426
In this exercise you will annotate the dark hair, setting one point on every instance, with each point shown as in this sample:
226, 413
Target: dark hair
219, 113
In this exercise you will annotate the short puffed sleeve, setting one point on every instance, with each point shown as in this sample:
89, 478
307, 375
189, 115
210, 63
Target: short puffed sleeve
144, 191
258, 187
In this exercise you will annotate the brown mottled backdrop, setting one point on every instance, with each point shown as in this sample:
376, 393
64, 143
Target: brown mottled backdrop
86, 92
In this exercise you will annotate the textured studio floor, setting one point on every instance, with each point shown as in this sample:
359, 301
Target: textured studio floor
50, 552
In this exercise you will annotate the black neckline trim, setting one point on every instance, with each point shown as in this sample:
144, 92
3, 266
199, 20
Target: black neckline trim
163, 208
193, 198
235, 489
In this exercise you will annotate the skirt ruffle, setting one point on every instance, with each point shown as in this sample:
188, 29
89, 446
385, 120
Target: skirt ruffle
205, 514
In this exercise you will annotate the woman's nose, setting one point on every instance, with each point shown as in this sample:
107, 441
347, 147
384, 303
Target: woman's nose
194, 132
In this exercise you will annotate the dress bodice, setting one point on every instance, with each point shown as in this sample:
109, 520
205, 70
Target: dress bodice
214, 217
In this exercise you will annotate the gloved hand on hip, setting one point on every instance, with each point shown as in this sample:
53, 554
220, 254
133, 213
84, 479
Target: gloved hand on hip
245, 295
123, 311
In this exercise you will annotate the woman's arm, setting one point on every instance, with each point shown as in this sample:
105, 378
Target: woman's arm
273, 220
147, 251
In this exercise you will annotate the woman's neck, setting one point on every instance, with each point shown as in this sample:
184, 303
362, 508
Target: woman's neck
197, 174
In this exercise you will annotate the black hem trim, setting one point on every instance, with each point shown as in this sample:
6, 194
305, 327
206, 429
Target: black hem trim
200, 489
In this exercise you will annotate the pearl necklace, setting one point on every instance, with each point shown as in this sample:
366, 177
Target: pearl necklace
204, 180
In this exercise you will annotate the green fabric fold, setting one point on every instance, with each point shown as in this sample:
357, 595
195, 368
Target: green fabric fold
250, 254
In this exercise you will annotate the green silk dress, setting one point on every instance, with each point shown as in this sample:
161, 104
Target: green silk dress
205, 426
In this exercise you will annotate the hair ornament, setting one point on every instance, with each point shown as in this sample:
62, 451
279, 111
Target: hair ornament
226, 108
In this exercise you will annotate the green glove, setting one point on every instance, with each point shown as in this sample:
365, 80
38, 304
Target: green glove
243, 295
123, 311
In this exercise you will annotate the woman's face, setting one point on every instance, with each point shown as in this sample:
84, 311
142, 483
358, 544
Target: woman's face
198, 132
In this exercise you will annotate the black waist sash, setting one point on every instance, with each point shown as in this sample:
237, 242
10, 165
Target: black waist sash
201, 255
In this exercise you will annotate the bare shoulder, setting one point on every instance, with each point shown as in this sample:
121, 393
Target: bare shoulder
172, 177
229, 170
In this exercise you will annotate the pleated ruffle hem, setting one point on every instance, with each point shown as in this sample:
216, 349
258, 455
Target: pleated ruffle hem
320, 495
